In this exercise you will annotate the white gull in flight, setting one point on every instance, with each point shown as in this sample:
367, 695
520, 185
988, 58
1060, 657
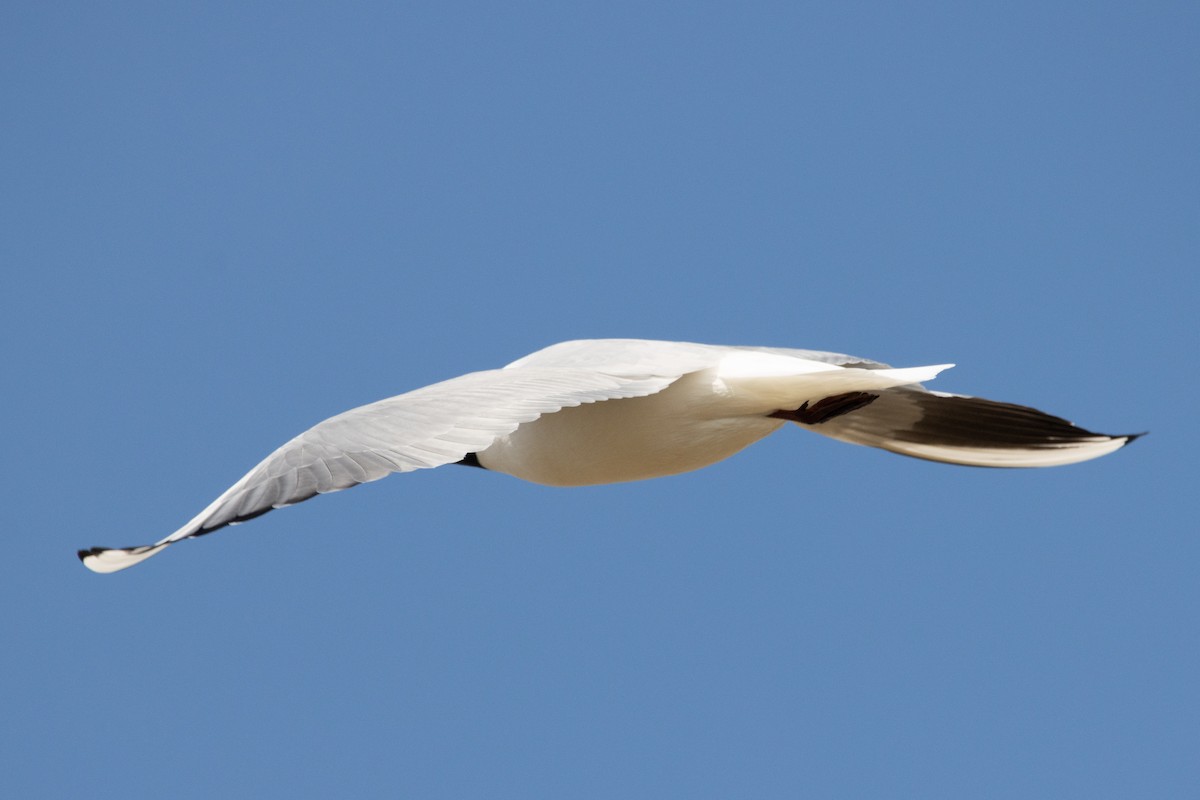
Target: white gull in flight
611, 410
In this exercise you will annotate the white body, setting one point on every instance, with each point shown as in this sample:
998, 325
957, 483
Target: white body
701, 418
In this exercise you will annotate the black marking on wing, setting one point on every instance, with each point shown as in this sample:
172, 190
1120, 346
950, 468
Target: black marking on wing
470, 460
826, 408
975, 422
205, 530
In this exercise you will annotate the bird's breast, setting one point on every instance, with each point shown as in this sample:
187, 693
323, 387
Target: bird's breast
689, 425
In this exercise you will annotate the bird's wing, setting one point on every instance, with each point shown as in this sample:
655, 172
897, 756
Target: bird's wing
837, 359
639, 357
428, 427
957, 429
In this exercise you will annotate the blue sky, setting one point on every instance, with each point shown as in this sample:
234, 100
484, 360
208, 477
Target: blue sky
224, 222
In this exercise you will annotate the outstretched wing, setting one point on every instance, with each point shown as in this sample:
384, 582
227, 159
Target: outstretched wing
958, 429
428, 427
650, 357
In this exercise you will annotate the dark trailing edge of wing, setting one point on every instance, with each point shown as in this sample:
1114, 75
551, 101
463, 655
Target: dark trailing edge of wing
204, 531
94, 551
470, 460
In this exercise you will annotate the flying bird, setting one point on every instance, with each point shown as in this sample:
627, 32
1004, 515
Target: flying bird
612, 410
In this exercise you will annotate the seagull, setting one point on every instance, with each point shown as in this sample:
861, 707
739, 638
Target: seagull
599, 411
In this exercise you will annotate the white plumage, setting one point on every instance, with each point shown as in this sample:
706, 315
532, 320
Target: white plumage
612, 410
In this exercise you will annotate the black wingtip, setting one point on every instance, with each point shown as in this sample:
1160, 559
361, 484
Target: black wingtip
1131, 437
91, 551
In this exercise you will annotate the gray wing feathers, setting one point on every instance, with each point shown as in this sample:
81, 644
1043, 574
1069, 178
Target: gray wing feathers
428, 427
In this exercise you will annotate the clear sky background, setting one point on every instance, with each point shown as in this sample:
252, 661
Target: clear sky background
223, 222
